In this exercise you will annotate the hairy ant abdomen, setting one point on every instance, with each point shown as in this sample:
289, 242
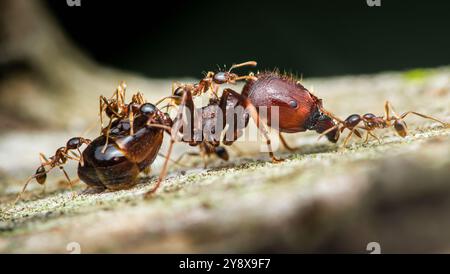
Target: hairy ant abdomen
298, 109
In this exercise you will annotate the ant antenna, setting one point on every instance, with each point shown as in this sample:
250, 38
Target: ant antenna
248, 63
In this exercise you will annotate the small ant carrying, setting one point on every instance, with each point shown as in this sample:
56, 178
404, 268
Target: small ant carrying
371, 122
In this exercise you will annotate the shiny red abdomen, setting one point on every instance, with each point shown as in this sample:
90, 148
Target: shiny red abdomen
296, 104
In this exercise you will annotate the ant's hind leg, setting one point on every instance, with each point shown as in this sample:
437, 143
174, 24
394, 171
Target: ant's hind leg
262, 127
285, 144
374, 136
68, 180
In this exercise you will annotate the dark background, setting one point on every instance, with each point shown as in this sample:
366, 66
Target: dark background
315, 38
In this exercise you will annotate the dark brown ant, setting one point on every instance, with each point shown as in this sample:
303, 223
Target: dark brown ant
371, 122
125, 156
57, 160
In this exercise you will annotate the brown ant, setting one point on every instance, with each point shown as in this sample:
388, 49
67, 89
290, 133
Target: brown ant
57, 160
371, 122
125, 156
211, 81
117, 108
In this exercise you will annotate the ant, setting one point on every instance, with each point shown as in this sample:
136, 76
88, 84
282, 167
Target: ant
372, 122
118, 165
300, 110
57, 160
211, 81
116, 108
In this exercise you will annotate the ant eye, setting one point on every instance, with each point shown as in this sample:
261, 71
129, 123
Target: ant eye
293, 104
148, 109
220, 78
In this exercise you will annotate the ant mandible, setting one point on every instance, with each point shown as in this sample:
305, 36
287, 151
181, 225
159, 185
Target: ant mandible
371, 122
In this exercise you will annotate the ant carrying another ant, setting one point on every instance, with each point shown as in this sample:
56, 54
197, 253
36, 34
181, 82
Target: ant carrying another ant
134, 135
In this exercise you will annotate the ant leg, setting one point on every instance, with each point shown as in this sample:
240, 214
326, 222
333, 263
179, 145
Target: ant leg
285, 144
131, 119
186, 102
328, 130
101, 113
107, 135
263, 129
355, 131
426, 117
374, 136
347, 138
366, 139
67, 177
245, 102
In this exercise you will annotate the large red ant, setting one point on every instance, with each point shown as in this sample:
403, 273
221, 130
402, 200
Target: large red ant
299, 109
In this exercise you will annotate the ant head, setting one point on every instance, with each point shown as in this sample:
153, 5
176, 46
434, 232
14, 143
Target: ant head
148, 110
352, 121
41, 175
400, 127
325, 123
224, 77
